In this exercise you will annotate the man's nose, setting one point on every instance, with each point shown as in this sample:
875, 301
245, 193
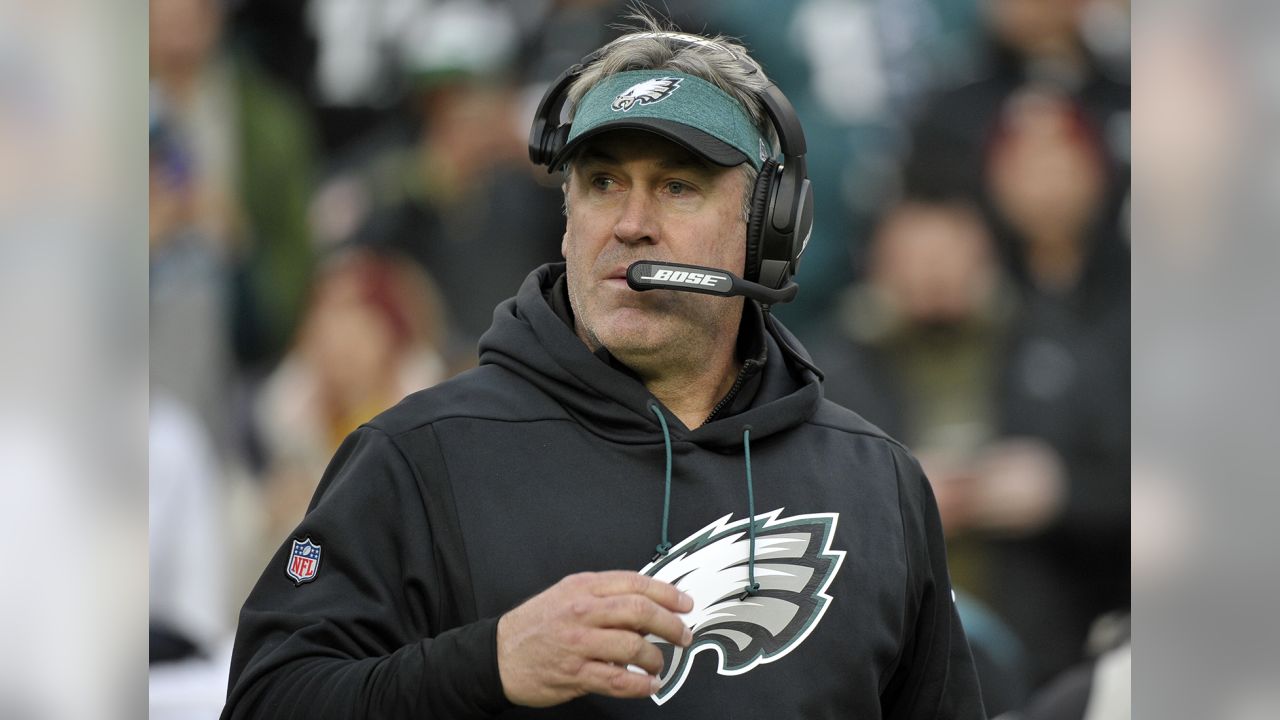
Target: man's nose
636, 219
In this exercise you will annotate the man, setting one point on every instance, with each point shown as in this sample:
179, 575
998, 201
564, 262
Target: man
473, 552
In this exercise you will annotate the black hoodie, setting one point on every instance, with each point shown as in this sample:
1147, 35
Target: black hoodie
465, 499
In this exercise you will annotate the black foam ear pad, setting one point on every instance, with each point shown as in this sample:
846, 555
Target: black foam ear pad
555, 143
759, 216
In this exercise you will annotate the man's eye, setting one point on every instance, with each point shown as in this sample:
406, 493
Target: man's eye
675, 187
602, 183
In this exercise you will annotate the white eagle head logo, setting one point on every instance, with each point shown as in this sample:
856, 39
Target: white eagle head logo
794, 567
644, 93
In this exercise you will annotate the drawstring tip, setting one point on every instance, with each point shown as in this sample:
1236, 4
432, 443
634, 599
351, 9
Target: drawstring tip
661, 552
750, 590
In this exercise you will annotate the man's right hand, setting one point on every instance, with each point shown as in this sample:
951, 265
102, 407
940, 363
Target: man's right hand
579, 636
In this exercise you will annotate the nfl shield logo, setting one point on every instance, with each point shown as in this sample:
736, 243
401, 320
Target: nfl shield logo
304, 561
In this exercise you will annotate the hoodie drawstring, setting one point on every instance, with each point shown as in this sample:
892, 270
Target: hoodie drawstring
665, 546
752, 587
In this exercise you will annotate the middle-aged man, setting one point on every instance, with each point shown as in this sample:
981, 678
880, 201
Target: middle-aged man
639, 505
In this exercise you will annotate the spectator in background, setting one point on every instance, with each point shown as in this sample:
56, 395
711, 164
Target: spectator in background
456, 193
250, 168
1042, 85
190, 353
1030, 43
372, 333
1046, 177
473, 216
1013, 410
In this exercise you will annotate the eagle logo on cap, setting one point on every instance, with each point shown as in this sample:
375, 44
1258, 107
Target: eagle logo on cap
645, 93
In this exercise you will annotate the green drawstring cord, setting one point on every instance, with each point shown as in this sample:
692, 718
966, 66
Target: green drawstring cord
753, 587
665, 546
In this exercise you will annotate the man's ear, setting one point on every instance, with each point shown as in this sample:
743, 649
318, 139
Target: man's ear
564, 245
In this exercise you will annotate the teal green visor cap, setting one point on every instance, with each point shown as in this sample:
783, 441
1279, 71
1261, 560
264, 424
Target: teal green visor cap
687, 110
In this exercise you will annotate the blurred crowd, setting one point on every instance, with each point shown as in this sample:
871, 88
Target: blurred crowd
340, 194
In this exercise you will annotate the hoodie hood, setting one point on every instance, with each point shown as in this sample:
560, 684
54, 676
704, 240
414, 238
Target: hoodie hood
529, 339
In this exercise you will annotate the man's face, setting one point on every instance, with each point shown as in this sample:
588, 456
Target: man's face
635, 196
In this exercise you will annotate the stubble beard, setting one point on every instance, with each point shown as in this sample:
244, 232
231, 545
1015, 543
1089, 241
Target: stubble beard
682, 349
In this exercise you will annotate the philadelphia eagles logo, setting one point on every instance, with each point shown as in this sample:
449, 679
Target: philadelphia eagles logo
649, 91
794, 566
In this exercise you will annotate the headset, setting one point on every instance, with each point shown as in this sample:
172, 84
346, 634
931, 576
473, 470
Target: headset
781, 218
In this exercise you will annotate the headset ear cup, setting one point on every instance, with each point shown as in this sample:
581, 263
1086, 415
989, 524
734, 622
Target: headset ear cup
555, 143
756, 221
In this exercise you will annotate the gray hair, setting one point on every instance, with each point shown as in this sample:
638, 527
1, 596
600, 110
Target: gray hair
718, 60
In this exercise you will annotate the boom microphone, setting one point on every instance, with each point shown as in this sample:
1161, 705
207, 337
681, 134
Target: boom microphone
649, 275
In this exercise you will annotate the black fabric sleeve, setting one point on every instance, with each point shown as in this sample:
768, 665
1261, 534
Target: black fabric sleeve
935, 678
363, 638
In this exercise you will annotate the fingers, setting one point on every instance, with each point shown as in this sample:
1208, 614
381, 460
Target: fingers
581, 635
623, 648
616, 681
632, 612
621, 582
